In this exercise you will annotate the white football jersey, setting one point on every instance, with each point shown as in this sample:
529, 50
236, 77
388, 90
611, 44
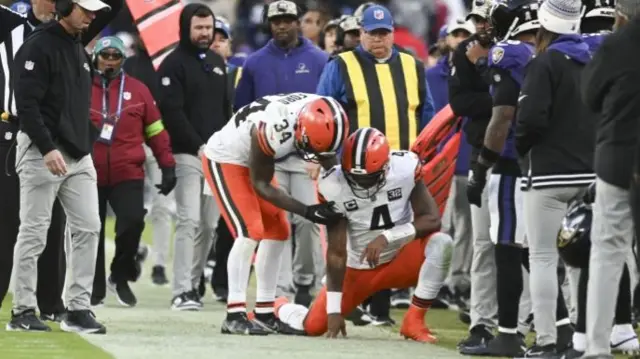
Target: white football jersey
276, 114
368, 218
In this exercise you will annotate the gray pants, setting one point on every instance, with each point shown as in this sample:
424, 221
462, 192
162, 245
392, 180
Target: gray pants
160, 214
611, 239
456, 221
543, 213
307, 257
484, 299
197, 219
78, 194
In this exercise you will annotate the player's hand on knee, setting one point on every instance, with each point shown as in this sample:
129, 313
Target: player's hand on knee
336, 326
373, 251
323, 213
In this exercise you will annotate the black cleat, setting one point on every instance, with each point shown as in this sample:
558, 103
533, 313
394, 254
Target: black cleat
359, 317
479, 336
503, 345
26, 322
82, 321
54, 317
158, 276
540, 351
564, 338
123, 292
185, 302
272, 324
239, 324
400, 299
303, 295
195, 296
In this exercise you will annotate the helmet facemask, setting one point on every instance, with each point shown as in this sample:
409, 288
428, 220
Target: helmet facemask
366, 185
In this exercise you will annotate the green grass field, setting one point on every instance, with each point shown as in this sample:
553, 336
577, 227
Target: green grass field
152, 330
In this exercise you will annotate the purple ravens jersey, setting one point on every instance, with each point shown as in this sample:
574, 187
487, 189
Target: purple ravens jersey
511, 56
594, 40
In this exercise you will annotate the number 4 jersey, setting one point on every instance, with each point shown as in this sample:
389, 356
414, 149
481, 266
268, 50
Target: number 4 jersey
369, 217
274, 118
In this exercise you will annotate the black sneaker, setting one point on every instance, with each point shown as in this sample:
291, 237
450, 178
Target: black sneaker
123, 292
158, 277
383, 321
542, 351
195, 296
479, 336
400, 299
185, 301
572, 354
238, 323
220, 294
82, 321
359, 317
54, 317
564, 338
303, 295
26, 322
270, 323
503, 345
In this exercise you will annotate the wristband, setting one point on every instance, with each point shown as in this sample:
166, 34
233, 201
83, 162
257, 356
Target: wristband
489, 155
400, 233
334, 302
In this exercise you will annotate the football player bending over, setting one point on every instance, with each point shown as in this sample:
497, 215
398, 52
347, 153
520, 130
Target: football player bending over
389, 238
239, 165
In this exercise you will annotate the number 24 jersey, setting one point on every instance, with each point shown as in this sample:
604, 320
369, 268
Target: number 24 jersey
368, 218
274, 118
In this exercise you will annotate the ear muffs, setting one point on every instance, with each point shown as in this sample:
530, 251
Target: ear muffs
64, 7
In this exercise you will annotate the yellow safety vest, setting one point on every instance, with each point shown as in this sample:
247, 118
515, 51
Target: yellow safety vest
388, 97
237, 77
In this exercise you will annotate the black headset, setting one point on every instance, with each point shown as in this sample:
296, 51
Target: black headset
64, 7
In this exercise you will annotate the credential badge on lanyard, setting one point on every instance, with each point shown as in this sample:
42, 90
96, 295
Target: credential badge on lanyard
109, 123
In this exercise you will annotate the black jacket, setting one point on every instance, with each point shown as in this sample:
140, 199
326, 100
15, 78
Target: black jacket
193, 91
469, 95
612, 89
555, 132
52, 81
141, 67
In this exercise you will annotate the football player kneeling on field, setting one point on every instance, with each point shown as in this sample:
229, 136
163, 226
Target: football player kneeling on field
388, 239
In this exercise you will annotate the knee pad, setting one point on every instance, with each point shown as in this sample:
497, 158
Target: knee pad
439, 243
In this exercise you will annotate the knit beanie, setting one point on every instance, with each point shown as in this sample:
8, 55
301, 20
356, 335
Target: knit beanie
561, 16
629, 8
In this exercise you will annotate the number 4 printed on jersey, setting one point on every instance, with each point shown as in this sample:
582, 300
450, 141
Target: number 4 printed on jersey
381, 218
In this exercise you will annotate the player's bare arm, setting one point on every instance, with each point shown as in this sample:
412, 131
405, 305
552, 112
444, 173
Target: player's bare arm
262, 168
336, 267
497, 130
425, 211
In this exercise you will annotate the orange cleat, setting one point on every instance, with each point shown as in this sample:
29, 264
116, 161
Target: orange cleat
280, 301
414, 328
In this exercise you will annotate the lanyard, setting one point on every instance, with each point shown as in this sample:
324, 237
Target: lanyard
105, 106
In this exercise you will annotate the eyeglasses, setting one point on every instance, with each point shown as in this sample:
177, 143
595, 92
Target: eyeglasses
111, 55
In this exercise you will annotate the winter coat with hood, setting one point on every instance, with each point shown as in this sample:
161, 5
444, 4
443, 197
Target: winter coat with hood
52, 83
555, 131
193, 95
139, 123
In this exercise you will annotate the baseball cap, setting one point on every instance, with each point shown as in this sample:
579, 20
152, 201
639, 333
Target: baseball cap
350, 23
377, 17
92, 5
223, 27
282, 8
109, 42
481, 8
460, 24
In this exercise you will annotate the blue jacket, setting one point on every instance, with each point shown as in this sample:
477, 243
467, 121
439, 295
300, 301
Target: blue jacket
332, 84
437, 78
273, 70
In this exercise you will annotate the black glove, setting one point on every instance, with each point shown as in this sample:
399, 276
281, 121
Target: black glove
589, 195
476, 184
168, 181
322, 213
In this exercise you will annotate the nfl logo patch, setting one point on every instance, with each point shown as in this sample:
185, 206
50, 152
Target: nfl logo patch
106, 42
497, 54
378, 14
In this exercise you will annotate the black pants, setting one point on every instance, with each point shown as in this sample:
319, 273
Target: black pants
126, 200
51, 264
224, 242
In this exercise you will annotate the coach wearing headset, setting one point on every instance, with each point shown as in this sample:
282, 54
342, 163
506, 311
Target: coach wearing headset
53, 94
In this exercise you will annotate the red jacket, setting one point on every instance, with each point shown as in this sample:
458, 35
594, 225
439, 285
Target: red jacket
140, 122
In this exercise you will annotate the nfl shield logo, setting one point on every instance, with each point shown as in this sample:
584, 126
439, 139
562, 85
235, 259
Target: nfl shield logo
378, 14
106, 42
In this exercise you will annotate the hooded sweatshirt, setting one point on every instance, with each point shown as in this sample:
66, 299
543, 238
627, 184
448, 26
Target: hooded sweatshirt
273, 70
192, 94
555, 132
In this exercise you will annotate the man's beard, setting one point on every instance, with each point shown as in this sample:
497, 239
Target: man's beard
203, 43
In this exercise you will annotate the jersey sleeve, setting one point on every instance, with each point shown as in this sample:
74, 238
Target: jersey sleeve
407, 164
275, 133
511, 57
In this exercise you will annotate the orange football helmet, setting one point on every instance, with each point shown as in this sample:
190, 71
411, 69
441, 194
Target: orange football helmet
321, 129
365, 159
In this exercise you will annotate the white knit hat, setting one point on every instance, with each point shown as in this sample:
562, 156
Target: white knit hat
561, 16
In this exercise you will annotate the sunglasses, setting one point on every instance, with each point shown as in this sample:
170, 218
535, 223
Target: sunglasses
111, 55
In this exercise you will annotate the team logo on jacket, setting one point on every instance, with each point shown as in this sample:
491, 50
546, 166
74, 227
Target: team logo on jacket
29, 65
126, 95
394, 194
497, 54
86, 67
166, 81
218, 71
302, 68
351, 206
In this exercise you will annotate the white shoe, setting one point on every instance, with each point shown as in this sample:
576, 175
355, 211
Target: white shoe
624, 339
